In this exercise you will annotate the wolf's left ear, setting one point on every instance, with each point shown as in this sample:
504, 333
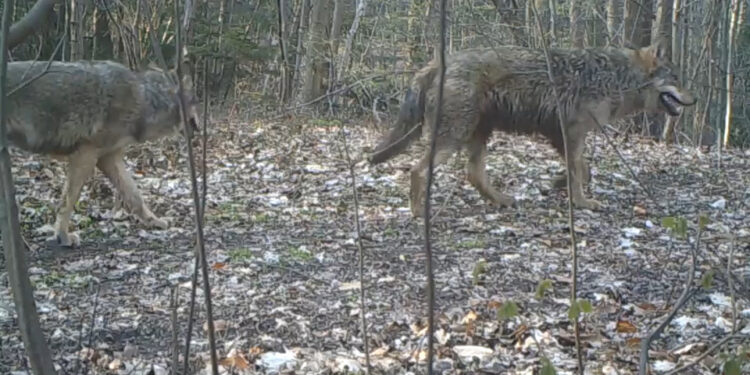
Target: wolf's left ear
658, 49
187, 81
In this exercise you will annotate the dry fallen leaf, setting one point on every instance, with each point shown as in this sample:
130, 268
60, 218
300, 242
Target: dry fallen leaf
624, 326
236, 360
219, 326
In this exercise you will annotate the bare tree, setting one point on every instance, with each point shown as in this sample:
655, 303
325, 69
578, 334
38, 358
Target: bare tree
576, 31
315, 55
15, 256
286, 71
637, 22
360, 12
734, 18
614, 22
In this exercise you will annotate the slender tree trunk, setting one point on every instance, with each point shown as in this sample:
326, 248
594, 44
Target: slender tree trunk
415, 20
286, 71
512, 14
614, 22
334, 38
346, 57
315, 55
663, 30
576, 29
662, 27
27, 317
301, 34
637, 22
734, 17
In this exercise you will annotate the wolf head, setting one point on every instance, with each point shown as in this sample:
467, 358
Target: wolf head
163, 94
663, 92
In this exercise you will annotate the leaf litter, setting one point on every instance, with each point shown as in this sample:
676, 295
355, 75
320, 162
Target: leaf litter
282, 255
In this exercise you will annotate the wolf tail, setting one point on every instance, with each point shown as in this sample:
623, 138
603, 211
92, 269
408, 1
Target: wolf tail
409, 121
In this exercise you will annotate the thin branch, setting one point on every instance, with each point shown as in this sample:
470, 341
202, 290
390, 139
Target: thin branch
643, 365
360, 250
40, 74
175, 326
427, 196
571, 217
627, 165
705, 354
196, 200
15, 252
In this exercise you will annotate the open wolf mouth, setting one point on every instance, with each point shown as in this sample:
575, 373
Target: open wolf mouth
671, 103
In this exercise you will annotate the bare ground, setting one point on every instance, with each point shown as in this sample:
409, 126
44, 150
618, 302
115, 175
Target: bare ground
283, 259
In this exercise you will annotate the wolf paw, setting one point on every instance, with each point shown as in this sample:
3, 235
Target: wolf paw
65, 239
158, 223
590, 204
503, 200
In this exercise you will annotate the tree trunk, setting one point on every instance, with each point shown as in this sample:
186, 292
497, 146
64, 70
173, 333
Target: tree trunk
102, 44
334, 38
614, 22
303, 21
576, 29
661, 29
344, 64
512, 14
30, 23
315, 56
637, 22
413, 32
734, 17
286, 69
27, 316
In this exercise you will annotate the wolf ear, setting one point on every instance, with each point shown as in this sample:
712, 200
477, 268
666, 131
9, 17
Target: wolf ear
187, 81
657, 50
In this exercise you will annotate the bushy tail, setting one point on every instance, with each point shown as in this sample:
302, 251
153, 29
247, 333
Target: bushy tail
409, 122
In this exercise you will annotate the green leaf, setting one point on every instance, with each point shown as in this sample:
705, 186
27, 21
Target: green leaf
479, 268
547, 367
702, 221
732, 367
585, 306
707, 279
542, 288
574, 311
678, 225
508, 310
668, 222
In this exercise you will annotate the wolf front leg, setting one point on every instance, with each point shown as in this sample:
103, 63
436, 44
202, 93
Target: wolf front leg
80, 167
578, 167
477, 174
113, 166
443, 150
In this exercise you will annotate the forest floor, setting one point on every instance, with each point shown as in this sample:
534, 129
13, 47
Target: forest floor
283, 259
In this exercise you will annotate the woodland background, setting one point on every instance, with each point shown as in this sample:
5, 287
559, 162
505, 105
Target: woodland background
298, 92
267, 55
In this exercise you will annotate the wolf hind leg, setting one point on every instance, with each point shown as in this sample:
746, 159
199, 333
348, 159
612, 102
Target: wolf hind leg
477, 175
80, 168
444, 148
127, 193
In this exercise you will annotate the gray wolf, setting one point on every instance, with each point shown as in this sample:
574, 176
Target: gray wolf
507, 88
88, 113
